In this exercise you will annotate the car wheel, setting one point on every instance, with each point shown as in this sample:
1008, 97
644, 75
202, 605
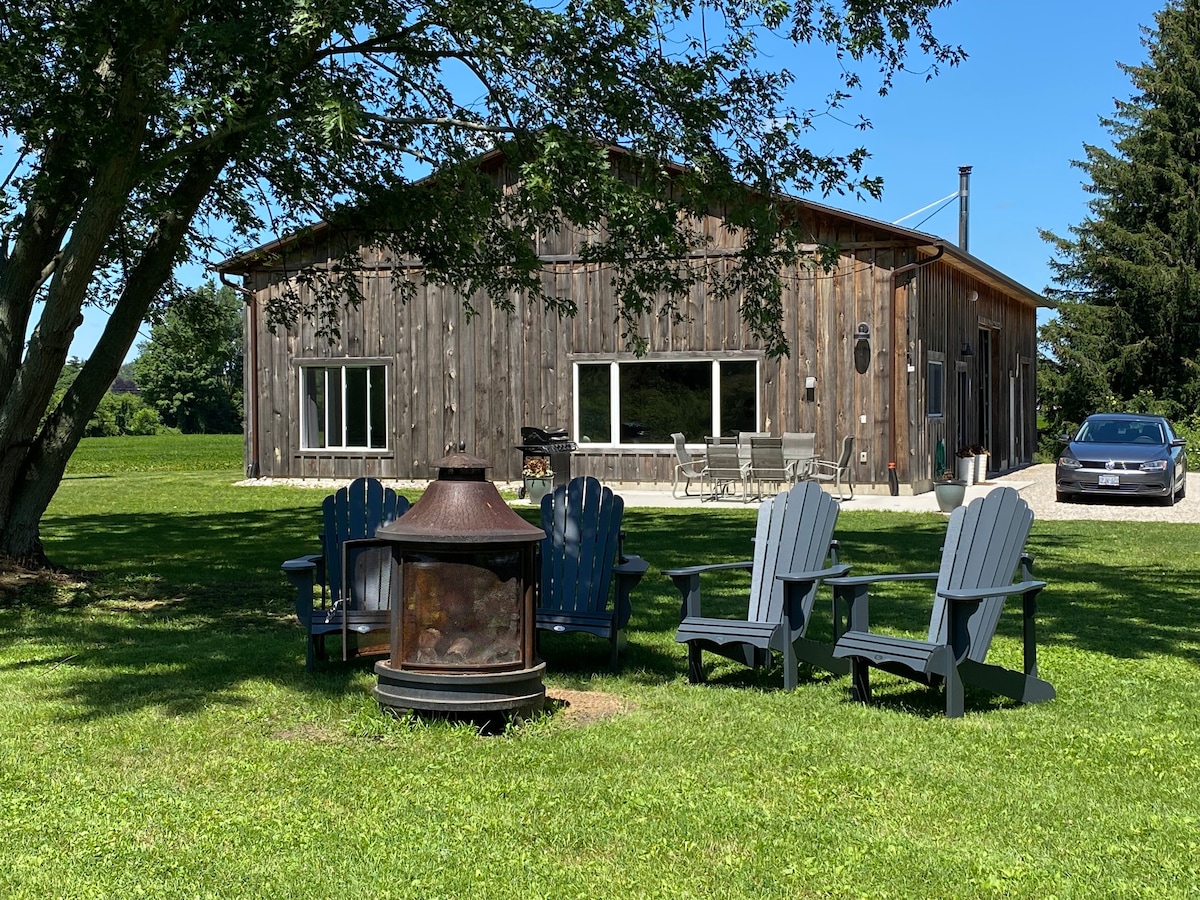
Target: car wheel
1182, 489
1169, 500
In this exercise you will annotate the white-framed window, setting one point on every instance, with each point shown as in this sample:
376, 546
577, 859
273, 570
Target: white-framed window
645, 401
935, 386
343, 406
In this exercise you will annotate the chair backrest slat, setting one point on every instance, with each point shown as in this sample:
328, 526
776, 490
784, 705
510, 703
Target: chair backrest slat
582, 521
353, 512
984, 541
794, 533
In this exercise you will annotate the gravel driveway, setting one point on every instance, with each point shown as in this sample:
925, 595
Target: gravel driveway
1036, 485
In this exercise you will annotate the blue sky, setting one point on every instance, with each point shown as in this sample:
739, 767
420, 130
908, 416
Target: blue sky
1019, 110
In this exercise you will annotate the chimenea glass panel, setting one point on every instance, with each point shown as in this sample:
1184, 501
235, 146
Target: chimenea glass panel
462, 610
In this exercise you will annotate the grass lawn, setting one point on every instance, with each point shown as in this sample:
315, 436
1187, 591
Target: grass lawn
159, 735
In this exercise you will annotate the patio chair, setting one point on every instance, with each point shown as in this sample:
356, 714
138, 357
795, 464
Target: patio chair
743, 443
983, 549
767, 465
724, 468
799, 450
793, 538
581, 554
840, 471
352, 571
685, 467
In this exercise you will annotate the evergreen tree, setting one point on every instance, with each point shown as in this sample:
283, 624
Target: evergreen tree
1127, 335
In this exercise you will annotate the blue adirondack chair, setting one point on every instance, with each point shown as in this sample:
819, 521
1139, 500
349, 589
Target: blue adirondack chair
983, 551
580, 557
353, 571
791, 543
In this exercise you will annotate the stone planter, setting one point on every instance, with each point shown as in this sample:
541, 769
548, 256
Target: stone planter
949, 494
965, 468
536, 489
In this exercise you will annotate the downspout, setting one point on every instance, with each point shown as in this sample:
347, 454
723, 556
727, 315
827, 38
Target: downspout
253, 468
897, 384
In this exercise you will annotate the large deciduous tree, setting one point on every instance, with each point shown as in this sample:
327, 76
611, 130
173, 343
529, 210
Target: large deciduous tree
190, 370
139, 129
1127, 334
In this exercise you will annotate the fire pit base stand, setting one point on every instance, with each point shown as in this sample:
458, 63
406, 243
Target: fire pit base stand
476, 693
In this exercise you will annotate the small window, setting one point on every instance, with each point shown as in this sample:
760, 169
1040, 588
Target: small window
343, 407
935, 388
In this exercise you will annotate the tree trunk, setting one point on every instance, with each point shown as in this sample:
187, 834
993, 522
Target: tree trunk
43, 462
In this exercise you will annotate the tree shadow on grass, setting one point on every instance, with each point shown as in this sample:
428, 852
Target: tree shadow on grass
183, 610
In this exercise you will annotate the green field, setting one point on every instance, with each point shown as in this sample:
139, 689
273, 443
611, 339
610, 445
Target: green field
159, 735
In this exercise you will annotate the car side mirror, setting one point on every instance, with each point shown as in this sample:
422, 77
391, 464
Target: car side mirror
1179, 442
1065, 438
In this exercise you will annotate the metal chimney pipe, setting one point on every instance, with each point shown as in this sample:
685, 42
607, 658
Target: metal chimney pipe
964, 205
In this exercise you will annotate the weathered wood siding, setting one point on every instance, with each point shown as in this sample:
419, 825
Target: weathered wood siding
477, 380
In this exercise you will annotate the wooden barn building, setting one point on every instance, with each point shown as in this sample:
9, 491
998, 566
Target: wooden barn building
908, 341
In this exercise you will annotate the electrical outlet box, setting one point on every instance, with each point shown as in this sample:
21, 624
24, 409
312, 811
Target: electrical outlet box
862, 456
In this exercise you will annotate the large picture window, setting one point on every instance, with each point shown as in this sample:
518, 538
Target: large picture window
645, 402
343, 407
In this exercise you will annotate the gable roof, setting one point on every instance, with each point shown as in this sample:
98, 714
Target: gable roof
929, 245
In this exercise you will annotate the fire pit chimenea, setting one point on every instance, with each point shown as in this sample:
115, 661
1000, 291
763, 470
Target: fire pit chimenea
462, 626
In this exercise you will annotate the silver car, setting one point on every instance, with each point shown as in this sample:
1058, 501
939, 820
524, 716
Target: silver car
1122, 455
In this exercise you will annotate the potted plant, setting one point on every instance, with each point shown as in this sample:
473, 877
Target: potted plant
537, 474
949, 491
981, 462
964, 460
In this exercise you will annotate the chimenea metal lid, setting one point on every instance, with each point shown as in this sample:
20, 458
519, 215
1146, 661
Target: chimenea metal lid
460, 507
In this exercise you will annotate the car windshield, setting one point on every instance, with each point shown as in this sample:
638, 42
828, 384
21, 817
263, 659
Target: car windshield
1108, 431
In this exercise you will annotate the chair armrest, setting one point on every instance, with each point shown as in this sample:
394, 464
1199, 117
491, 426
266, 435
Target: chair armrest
855, 594
628, 575
713, 567
831, 572
302, 573
687, 580
302, 563
1021, 587
631, 566
855, 580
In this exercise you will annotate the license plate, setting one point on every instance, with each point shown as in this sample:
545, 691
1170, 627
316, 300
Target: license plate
1110, 480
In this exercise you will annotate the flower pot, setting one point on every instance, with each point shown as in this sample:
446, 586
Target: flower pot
965, 469
980, 469
949, 494
536, 489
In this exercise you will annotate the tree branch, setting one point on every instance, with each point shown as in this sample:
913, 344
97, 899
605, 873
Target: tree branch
443, 122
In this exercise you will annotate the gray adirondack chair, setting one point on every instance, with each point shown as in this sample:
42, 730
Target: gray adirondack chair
793, 538
346, 589
984, 548
581, 556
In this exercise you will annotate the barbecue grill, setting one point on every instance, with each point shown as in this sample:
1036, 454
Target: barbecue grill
551, 444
